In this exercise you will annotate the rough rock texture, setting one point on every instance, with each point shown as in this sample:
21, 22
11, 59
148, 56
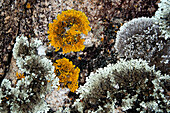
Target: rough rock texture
15, 17
31, 18
28, 17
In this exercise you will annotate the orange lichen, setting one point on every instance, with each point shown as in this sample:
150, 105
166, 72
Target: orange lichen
67, 73
79, 58
102, 39
28, 5
7, 98
121, 24
20, 76
66, 30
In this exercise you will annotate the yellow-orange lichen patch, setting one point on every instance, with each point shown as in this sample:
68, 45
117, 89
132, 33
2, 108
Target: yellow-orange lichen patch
65, 32
20, 76
67, 73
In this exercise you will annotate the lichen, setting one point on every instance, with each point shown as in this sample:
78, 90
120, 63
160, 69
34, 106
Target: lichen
28, 93
67, 73
162, 15
138, 38
66, 30
127, 85
142, 38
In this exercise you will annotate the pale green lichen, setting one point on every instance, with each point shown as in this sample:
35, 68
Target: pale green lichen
125, 85
162, 15
28, 94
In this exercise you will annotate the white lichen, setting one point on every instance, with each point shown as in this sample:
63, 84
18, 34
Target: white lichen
162, 15
123, 85
139, 38
142, 38
28, 94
